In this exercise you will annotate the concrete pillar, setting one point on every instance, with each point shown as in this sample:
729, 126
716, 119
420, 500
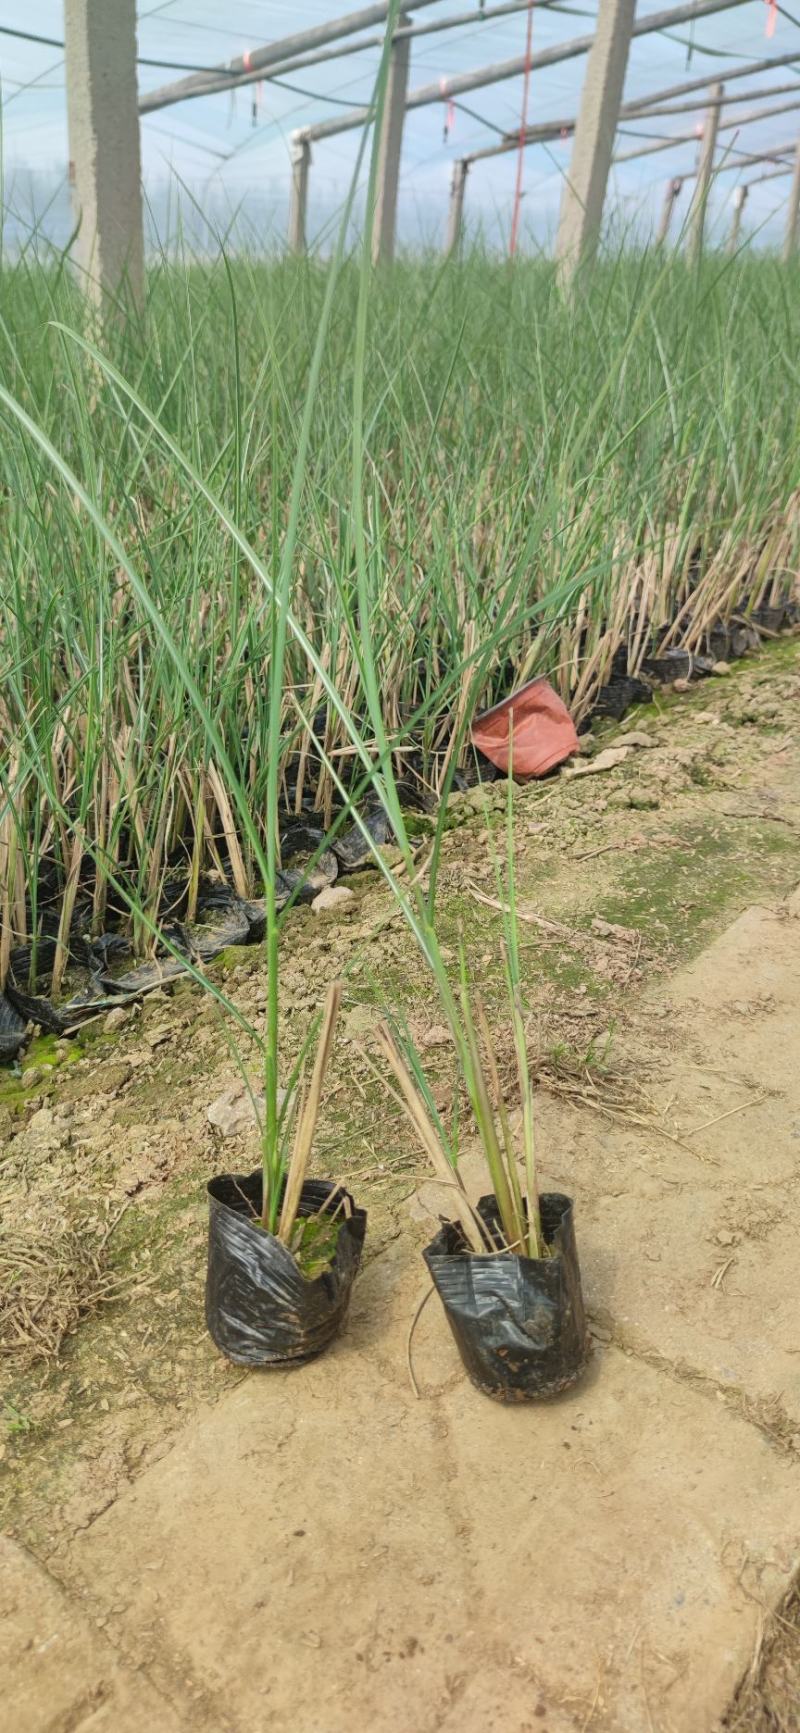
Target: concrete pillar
585, 188
793, 212
705, 170
103, 121
673, 189
390, 148
739, 202
455, 215
298, 200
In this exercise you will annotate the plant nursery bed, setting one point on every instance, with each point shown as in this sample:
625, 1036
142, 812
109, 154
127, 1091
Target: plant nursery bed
366, 1540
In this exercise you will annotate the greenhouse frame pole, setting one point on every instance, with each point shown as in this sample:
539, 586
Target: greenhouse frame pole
705, 170
256, 62
447, 89
462, 82
390, 150
455, 215
641, 109
301, 163
104, 162
739, 202
584, 191
673, 190
793, 211
293, 53
734, 125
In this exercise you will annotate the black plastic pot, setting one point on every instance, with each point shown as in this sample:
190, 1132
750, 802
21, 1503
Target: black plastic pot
678, 665
518, 1323
772, 619
260, 1308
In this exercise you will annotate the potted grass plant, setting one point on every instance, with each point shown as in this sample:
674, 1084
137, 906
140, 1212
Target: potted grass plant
283, 1249
271, 1217
506, 1269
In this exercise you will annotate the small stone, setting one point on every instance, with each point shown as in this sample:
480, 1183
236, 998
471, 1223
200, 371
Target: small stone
607, 760
237, 1111
487, 794
611, 930
721, 668
681, 685
333, 897
643, 800
725, 1237
587, 745
41, 1123
156, 1037
116, 1019
637, 737
31, 1076
107, 1079
438, 1036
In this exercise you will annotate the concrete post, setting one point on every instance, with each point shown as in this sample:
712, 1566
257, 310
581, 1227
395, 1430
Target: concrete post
673, 190
103, 120
793, 212
298, 200
389, 150
455, 216
705, 171
585, 188
739, 202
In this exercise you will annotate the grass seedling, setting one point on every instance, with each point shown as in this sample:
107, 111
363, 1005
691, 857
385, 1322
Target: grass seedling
480, 1073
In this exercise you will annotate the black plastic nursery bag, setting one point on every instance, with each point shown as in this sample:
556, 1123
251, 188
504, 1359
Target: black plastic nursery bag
518, 1322
260, 1308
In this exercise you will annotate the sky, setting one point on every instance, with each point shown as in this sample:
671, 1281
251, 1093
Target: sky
229, 153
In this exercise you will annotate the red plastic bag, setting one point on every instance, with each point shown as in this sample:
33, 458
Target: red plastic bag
544, 732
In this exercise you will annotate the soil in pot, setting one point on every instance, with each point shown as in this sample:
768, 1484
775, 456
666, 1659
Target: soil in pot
518, 1322
263, 1306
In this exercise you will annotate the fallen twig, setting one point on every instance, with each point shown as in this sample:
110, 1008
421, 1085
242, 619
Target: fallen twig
522, 913
414, 1322
742, 1108
590, 853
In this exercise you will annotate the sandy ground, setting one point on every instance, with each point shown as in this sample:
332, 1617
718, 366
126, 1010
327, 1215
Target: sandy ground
324, 1549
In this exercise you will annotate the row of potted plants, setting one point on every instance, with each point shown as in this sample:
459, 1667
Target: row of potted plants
284, 1248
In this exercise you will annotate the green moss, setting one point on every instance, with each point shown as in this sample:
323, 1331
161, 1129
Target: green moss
248, 957
677, 895
40, 1052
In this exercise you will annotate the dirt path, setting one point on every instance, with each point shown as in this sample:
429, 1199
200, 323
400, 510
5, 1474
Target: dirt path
323, 1550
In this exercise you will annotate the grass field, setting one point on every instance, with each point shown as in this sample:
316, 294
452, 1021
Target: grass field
541, 487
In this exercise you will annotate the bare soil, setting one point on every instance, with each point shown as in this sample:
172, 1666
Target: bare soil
320, 1549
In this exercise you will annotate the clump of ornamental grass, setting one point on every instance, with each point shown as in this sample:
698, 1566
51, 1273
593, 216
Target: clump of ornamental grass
48, 764
274, 546
543, 492
474, 1044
